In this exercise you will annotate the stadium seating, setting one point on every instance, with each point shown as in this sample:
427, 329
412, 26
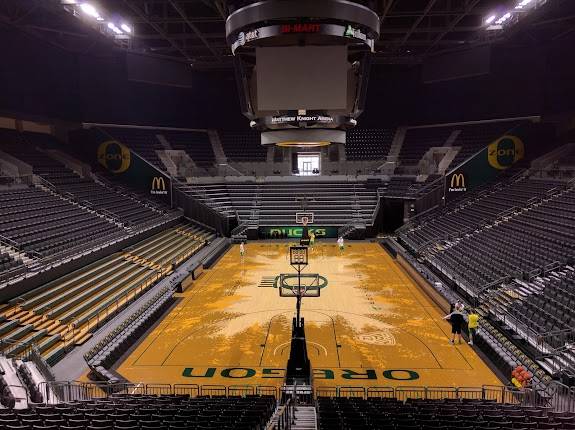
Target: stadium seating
333, 203
468, 414
103, 355
543, 304
528, 239
470, 138
66, 311
143, 141
540, 309
368, 144
243, 145
399, 186
419, 140
7, 263
44, 224
121, 206
474, 137
213, 195
196, 144
483, 205
131, 412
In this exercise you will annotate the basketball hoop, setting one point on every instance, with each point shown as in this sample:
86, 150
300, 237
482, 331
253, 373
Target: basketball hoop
304, 221
300, 216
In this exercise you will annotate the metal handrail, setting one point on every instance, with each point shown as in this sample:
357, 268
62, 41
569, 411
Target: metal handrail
555, 396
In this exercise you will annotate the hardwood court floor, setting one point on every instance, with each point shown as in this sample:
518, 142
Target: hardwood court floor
371, 326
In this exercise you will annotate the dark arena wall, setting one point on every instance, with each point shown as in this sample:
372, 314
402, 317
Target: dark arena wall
99, 86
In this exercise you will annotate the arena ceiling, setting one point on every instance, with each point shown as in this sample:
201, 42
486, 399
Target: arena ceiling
193, 31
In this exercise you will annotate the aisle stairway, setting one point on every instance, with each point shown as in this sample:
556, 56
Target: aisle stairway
305, 418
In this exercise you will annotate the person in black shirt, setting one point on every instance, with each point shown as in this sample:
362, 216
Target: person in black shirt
456, 319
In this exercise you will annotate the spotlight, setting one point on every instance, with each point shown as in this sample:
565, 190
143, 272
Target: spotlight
490, 19
90, 10
126, 28
503, 18
113, 27
522, 4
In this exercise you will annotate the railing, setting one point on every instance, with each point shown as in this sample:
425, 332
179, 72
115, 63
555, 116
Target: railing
349, 227
113, 309
68, 391
556, 396
27, 352
44, 368
201, 212
239, 229
526, 332
285, 417
110, 342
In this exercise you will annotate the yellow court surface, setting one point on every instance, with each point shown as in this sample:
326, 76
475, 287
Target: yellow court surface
371, 326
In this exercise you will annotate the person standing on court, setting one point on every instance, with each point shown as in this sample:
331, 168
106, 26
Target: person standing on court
472, 324
457, 320
340, 243
242, 249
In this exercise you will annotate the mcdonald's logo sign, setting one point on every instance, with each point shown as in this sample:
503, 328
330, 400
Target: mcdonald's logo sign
505, 152
114, 156
159, 186
457, 182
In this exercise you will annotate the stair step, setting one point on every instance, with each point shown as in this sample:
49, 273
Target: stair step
81, 338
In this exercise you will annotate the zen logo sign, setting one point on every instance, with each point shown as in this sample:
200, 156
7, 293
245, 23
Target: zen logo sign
457, 182
159, 186
318, 373
114, 156
505, 152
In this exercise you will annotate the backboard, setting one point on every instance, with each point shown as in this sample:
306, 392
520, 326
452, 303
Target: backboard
301, 216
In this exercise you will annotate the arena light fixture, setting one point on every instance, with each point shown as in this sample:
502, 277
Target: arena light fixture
126, 28
90, 10
522, 4
490, 19
113, 27
298, 144
504, 18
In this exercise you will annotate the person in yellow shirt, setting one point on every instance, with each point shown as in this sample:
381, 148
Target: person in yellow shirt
472, 324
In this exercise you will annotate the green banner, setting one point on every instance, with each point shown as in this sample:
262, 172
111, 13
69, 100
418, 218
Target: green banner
296, 232
485, 165
132, 169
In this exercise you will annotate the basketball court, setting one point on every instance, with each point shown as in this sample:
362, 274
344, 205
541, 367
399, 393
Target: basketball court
370, 326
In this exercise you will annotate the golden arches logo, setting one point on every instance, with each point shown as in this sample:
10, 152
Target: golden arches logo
505, 152
114, 156
158, 184
457, 180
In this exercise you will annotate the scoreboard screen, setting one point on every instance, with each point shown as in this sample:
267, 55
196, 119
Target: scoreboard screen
302, 77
